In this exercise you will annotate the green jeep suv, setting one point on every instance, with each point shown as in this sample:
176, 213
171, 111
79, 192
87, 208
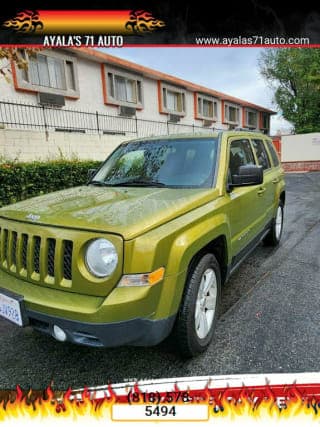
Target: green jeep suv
142, 250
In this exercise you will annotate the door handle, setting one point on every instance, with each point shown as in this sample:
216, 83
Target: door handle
261, 191
275, 181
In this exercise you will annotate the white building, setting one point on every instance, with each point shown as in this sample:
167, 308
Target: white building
88, 92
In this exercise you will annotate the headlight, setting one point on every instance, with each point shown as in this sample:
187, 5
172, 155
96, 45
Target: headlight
101, 258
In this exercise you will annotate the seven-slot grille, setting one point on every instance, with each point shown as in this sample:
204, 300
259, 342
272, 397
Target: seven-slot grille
36, 257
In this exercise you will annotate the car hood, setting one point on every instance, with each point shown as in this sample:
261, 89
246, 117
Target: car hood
125, 211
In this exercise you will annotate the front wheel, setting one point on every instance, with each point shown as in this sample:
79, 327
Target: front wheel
275, 233
197, 315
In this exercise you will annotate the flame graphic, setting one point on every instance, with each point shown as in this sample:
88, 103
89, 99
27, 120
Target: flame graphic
26, 21
141, 21
54, 404
128, 22
265, 402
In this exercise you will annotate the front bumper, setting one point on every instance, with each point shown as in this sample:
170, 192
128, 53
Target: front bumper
125, 316
138, 332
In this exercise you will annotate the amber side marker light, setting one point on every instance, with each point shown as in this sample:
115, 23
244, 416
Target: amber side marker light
145, 279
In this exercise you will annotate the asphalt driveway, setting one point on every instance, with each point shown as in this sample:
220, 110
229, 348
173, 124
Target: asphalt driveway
269, 320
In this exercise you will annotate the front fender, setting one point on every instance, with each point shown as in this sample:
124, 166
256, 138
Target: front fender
192, 240
173, 245
183, 249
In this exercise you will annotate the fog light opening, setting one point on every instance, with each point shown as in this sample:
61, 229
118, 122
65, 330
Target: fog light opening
59, 333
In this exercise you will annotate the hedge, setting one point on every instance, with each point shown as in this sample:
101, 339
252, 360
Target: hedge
19, 181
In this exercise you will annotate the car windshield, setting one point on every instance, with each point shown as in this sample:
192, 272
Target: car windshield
177, 163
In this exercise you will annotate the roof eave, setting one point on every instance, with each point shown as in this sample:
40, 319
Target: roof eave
101, 57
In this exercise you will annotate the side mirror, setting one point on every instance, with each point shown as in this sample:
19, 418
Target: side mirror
91, 172
248, 175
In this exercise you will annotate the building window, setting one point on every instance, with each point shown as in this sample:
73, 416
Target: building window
70, 75
173, 100
49, 72
251, 119
231, 113
265, 120
207, 108
124, 90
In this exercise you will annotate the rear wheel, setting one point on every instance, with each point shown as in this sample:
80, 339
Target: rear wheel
275, 233
197, 315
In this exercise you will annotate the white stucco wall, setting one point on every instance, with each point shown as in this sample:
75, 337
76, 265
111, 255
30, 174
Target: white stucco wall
34, 145
91, 96
303, 147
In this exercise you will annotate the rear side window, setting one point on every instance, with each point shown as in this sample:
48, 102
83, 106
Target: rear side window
261, 153
273, 153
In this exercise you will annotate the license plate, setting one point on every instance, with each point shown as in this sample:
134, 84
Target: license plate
10, 309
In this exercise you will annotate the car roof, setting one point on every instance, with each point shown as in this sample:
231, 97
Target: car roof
200, 135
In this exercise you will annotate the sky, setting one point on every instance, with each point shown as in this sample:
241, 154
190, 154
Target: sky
233, 71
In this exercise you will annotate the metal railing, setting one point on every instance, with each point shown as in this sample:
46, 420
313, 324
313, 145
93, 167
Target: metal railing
25, 116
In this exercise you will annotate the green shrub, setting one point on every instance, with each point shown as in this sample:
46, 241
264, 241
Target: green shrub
19, 181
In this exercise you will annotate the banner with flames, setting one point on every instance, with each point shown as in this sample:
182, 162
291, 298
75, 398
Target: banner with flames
125, 22
220, 401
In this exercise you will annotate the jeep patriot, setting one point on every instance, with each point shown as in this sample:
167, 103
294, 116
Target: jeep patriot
142, 250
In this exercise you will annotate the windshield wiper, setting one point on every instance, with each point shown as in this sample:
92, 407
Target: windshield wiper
139, 183
99, 183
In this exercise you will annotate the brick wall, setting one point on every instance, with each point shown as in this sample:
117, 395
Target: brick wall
301, 166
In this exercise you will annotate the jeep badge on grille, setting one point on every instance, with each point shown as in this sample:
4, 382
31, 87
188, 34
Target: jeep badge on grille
33, 217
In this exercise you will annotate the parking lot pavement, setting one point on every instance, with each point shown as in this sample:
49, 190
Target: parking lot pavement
269, 320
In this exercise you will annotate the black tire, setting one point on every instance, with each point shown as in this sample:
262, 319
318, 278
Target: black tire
273, 237
185, 333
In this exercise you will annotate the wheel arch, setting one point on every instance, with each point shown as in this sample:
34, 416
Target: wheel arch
218, 245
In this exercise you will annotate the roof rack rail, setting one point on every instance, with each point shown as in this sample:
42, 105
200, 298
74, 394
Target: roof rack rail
219, 129
245, 129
